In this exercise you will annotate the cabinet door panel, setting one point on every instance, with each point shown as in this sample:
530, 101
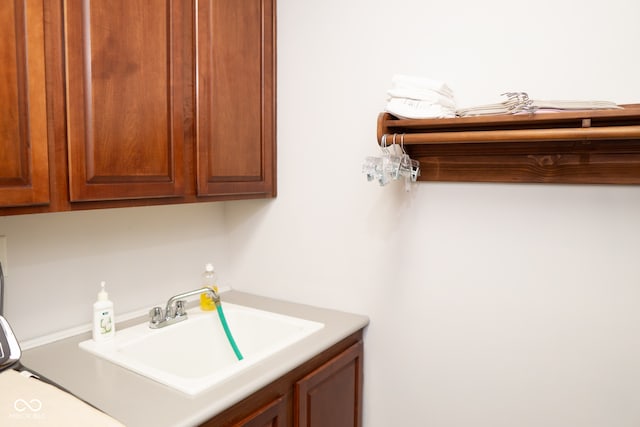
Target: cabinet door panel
24, 164
272, 414
235, 97
332, 394
124, 98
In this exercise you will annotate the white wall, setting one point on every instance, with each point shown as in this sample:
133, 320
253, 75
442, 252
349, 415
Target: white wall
56, 261
490, 304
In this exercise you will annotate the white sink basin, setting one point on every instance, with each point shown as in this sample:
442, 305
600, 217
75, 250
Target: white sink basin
195, 354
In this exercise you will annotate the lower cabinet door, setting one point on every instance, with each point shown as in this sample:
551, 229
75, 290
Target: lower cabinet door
325, 391
332, 394
273, 414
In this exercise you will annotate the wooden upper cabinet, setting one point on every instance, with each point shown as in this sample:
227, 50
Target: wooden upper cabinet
144, 102
24, 164
235, 105
125, 105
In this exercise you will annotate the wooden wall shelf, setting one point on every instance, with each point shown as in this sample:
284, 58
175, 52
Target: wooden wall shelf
578, 147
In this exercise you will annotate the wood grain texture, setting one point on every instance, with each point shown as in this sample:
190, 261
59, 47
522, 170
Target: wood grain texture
331, 395
235, 96
117, 120
336, 373
24, 157
124, 98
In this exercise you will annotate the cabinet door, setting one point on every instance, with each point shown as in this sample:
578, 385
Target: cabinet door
24, 163
273, 414
235, 97
124, 98
332, 394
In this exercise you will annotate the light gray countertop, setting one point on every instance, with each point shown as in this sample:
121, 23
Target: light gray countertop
136, 401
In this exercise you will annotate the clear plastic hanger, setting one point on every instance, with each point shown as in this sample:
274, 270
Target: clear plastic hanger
394, 163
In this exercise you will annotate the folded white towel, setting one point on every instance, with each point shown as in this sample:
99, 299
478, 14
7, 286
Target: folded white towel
415, 109
422, 95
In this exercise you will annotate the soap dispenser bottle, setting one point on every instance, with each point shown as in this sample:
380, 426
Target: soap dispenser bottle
103, 319
209, 279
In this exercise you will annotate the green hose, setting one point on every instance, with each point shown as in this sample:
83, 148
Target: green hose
234, 346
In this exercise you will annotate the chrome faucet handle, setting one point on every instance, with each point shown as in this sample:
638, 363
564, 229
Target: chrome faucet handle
156, 315
180, 309
175, 310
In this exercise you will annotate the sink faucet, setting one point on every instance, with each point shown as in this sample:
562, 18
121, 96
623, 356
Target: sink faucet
175, 310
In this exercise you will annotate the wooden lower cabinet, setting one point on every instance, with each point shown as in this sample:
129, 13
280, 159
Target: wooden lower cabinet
332, 394
273, 414
326, 391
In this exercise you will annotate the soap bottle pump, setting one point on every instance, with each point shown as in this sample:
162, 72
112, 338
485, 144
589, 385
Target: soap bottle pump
208, 280
103, 320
